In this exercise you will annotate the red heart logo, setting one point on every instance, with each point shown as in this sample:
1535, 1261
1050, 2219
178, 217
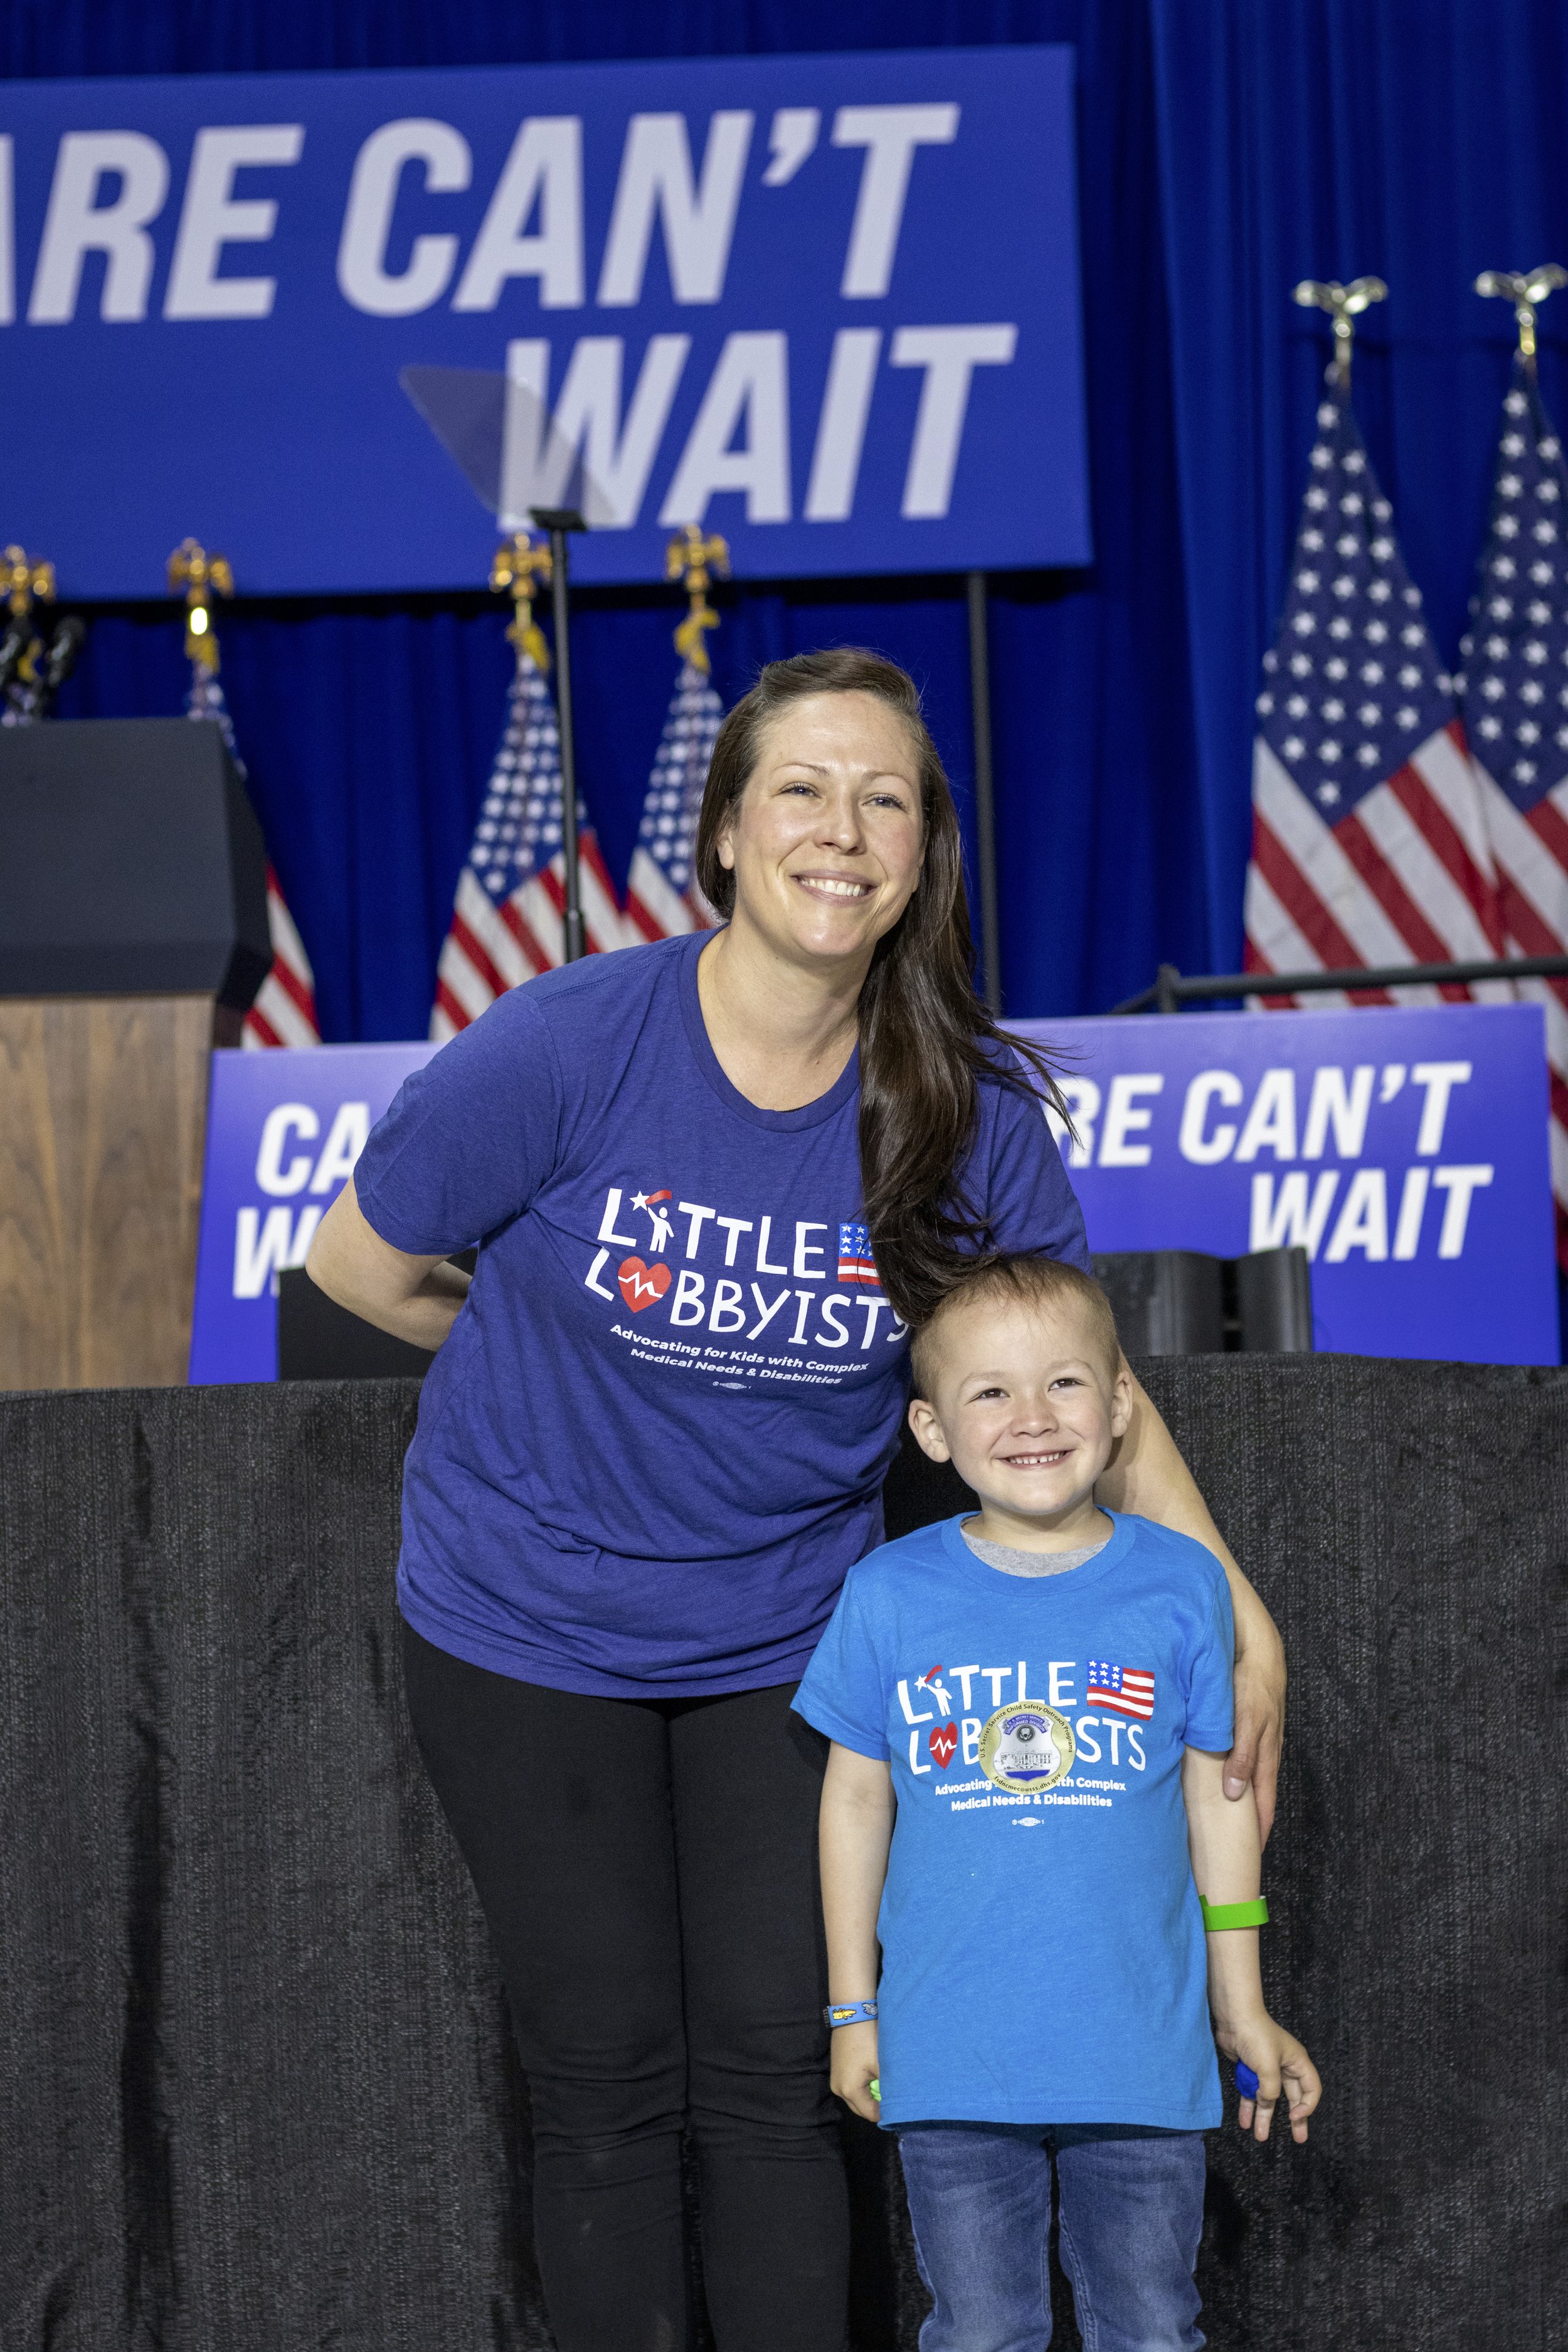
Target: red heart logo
641, 1284
943, 1741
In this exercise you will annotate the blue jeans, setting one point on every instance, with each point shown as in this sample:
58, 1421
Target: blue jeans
1132, 2209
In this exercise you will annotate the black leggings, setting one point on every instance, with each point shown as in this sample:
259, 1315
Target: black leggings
648, 1871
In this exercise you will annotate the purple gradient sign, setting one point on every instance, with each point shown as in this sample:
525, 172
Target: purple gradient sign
284, 1129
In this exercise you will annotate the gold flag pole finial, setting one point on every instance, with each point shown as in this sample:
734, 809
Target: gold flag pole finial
693, 559
1344, 305
26, 577
203, 577
519, 569
1526, 290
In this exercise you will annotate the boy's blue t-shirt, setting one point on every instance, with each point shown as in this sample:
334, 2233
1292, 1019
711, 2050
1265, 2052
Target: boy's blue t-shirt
1043, 1948
655, 1441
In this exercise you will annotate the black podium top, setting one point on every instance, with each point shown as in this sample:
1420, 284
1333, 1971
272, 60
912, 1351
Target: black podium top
130, 863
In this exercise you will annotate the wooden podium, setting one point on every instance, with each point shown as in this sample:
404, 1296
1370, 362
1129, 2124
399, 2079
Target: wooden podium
132, 938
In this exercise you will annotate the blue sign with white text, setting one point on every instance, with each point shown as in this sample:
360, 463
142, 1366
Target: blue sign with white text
1404, 1149
828, 305
284, 1130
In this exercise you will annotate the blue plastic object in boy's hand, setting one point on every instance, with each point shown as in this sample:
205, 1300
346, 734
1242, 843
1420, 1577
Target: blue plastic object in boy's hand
1245, 2081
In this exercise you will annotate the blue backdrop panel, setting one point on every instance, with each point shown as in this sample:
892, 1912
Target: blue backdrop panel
1224, 151
765, 294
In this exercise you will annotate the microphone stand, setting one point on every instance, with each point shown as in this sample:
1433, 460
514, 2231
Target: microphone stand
558, 522
14, 643
64, 646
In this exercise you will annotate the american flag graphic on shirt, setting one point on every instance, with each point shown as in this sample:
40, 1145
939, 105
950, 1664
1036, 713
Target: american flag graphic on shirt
1129, 1690
509, 914
856, 1263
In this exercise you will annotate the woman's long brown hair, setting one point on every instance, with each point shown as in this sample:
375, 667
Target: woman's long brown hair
926, 1037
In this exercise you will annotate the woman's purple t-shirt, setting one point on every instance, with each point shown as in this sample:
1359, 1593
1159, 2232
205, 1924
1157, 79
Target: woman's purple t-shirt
654, 1444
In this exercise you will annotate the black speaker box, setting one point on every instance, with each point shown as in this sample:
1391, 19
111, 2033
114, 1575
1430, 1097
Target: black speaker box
1185, 1303
319, 1341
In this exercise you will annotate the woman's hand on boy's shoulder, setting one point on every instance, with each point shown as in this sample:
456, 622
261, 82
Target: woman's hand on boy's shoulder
1286, 2075
854, 2068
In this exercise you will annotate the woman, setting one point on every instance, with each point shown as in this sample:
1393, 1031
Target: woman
710, 1180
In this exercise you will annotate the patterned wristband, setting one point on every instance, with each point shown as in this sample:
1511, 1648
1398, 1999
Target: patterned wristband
1217, 1916
850, 2013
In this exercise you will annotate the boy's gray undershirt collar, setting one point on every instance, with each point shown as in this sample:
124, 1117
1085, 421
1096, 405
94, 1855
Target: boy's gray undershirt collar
1012, 1562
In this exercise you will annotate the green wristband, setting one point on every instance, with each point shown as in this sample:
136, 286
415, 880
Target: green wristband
1217, 1916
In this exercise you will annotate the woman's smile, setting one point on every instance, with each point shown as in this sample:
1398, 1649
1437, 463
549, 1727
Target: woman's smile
847, 887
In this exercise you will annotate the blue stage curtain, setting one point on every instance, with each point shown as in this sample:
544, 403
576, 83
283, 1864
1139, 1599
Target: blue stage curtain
1227, 148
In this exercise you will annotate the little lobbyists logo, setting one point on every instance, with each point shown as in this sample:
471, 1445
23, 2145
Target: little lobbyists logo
1025, 1742
799, 1250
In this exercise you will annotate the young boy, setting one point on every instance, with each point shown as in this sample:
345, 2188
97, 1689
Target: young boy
1028, 1710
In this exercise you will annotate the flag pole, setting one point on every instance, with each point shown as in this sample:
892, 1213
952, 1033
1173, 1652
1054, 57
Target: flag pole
558, 522
985, 802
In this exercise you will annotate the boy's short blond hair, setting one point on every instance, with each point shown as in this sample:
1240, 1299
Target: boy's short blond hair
1016, 1280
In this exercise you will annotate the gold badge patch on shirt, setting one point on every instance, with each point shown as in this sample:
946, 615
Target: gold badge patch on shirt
1025, 1748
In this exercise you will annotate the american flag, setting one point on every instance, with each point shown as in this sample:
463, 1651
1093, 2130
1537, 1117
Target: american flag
1516, 707
1368, 842
1128, 1689
509, 916
662, 897
284, 1012
856, 1263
